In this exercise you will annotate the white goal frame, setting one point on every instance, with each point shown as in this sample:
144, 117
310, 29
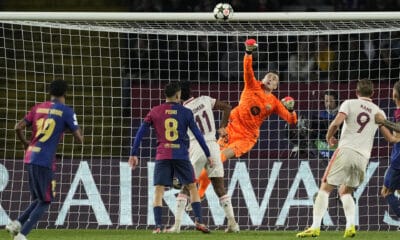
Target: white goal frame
29, 18
189, 16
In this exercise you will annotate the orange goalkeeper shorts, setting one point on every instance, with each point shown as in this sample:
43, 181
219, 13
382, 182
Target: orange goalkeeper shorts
237, 140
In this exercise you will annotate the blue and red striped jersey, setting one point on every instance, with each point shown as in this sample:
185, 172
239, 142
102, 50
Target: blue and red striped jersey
171, 122
49, 120
395, 156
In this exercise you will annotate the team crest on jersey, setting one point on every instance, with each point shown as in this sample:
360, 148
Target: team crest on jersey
255, 110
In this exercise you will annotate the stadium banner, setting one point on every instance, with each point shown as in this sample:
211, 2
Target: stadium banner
278, 194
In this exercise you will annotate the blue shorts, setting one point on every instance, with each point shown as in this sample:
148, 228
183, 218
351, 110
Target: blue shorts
392, 179
40, 182
165, 170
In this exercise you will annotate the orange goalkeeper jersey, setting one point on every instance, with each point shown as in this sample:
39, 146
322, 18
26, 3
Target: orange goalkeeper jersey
256, 105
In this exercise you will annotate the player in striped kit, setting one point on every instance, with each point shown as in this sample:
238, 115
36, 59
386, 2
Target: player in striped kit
391, 184
48, 120
171, 121
347, 166
202, 108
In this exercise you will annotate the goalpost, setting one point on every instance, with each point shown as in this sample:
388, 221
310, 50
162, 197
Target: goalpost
117, 64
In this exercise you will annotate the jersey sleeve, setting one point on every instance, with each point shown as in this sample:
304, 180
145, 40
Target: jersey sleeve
149, 117
289, 117
210, 100
383, 113
138, 138
144, 128
248, 73
71, 120
345, 107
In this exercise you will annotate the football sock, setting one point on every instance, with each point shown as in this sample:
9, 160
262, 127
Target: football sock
320, 206
157, 216
226, 204
394, 203
25, 215
204, 181
34, 217
181, 202
197, 211
349, 209
223, 157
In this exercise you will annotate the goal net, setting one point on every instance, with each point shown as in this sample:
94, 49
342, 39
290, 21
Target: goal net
116, 70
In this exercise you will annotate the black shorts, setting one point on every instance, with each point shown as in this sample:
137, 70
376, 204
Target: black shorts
392, 179
165, 170
40, 182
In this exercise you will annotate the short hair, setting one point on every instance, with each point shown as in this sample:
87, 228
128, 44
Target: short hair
396, 88
333, 93
186, 93
171, 89
58, 88
365, 87
274, 72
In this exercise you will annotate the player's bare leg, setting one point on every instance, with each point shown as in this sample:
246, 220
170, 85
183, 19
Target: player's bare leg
349, 209
157, 207
226, 204
320, 206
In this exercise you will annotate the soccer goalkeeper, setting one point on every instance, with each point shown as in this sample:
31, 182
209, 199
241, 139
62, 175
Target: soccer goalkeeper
256, 104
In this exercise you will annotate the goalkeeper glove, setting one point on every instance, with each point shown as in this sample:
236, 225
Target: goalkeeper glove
288, 102
251, 45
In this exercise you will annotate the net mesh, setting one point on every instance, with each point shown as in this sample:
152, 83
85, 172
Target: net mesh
117, 70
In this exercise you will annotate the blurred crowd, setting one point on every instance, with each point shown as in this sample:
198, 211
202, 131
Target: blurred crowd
297, 58
264, 5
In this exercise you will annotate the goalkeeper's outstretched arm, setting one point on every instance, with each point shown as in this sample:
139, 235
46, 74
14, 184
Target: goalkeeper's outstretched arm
289, 115
251, 45
248, 72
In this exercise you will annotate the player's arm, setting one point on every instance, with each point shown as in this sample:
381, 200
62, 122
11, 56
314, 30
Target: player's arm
133, 159
248, 73
333, 128
73, 126
289, 116
392, 138
78, 136
226, 111
19, 130
380, 119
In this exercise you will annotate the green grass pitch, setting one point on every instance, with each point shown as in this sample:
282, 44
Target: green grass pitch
61, 234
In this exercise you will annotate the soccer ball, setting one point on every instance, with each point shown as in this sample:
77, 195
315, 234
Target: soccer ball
223, 11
